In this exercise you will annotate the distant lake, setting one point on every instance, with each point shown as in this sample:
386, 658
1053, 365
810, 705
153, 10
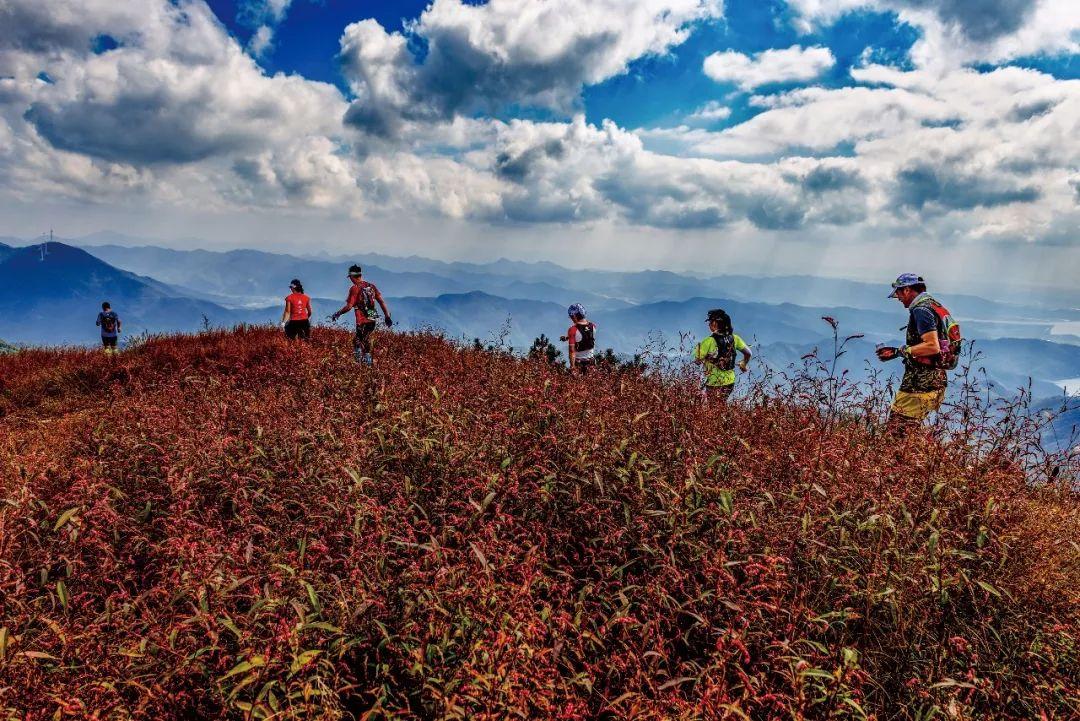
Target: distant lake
1071, 327
1069, 385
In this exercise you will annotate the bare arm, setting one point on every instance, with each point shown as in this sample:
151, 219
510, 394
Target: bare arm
382, 304
345, 308
285, 313
746, 356
930, 346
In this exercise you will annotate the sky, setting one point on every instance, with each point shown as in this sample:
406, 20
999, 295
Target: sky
853, 138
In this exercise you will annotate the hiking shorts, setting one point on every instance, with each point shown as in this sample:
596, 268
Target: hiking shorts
298, 329
108, 341
917, 406
363, 333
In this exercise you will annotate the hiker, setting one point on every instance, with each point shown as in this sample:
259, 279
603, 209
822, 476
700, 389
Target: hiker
109, 322
362, 298
581, 340
296, 318
717, 354
931, 348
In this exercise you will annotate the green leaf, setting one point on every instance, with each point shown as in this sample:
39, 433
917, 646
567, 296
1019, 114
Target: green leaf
817, 673
245, 666
675, 682
321, 625
65, 517
989, 589
726, 501
313, 597
62, 592
481, 557
227, 623
4, 641
304, 659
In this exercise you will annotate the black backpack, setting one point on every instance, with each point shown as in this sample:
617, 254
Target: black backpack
108, 323
725, 351
586, 336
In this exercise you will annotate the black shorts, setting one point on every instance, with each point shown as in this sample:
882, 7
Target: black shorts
108, 341
584, 365
363, 332
298, 329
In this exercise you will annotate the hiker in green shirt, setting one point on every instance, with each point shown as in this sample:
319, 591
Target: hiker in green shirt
717, 354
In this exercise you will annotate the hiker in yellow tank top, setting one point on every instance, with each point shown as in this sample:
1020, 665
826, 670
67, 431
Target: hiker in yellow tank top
717, 354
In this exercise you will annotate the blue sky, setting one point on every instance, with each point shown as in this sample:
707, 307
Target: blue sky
779, 135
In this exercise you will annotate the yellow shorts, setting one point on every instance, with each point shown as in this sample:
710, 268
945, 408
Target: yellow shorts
917, 406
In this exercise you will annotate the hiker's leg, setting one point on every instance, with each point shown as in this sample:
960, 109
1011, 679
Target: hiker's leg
358, 344
910, 409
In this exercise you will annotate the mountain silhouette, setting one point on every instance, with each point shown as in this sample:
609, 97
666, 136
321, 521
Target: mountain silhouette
54, 298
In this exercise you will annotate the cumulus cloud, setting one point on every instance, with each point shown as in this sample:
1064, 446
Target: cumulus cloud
956, 32
173, 111
771, 66
177, 89
711, 111
263, 16
484, 58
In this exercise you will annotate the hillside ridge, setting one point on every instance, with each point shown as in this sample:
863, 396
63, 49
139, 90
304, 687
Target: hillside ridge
265, 530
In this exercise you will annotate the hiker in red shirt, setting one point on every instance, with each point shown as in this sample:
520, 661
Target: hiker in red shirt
581, 340
362, 298
296, 318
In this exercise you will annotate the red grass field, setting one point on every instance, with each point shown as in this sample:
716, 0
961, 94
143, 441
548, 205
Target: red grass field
226, 526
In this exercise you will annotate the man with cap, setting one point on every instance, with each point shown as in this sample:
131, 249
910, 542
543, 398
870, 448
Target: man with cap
717, 354
362, 298
926, 353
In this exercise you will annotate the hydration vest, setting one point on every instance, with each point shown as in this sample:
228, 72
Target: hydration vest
586, 337
950, 338
725, 351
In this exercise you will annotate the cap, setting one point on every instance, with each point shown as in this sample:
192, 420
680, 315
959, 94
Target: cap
575, 310
355, 270
903, 281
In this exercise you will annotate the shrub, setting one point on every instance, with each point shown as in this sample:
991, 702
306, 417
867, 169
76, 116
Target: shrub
231, 526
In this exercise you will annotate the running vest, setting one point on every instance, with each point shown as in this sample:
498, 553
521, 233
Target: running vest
725, 351
949, 336
586, 337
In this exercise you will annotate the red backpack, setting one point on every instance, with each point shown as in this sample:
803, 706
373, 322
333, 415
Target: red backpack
949, 338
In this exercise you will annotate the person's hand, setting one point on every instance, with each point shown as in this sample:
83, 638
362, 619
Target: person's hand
742, 366
283, 325
887, 353
334, 317
388, 322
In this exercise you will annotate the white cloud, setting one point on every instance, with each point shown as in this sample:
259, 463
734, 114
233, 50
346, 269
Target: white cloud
263, 16
770, 66
483, 58
261, 41
179, 116
957, 32
711, 111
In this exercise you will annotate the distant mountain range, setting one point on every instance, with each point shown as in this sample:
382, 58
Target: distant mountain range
54, 300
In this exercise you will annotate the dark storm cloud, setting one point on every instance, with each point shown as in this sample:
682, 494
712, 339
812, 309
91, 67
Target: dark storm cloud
921, 185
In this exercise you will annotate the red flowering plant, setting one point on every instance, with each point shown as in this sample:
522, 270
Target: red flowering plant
231, 526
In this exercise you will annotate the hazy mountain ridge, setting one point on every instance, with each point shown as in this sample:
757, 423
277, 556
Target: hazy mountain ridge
55, 301
413, 275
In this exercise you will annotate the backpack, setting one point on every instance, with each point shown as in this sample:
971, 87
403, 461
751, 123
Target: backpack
949, 338
725, 351
365, 301
108, 322
586, 337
